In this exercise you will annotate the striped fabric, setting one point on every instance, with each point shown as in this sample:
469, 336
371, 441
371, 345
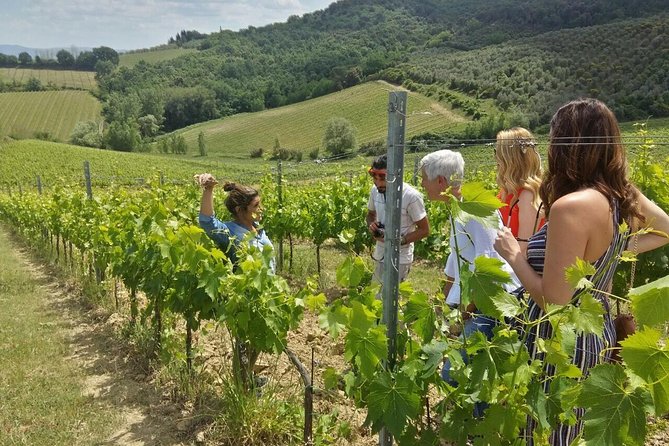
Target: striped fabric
590, 349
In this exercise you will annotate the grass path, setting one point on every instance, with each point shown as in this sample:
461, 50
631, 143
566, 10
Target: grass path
63, 378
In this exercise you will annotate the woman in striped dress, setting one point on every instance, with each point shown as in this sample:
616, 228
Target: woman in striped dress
587, 195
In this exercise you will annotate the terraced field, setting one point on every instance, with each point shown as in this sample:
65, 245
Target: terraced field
50, 113
79, 80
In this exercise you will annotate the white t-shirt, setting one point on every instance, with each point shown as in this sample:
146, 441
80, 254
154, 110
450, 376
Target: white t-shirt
474, 239
413, 210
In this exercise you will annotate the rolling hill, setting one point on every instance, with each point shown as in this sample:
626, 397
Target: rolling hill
521, 55
301, 126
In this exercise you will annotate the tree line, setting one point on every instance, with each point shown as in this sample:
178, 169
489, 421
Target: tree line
426, 42
101, 59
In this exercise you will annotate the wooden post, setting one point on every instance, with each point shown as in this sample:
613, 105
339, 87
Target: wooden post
87, 177
279, 194
39, 185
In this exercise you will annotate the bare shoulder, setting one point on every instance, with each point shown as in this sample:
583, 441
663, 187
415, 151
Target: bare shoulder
526, 196
583, 205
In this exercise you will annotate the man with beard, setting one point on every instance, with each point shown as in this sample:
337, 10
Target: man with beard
413, 221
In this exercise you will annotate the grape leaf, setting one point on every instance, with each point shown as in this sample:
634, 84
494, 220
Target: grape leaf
330, 378
646, 356
538, 404
578, 273
485, 287
615, 412
478, 201
333, 320
418, 313
366, 343
650, 302
499, 421
315, 302
392, 400
588, 316
351, 272
435, 356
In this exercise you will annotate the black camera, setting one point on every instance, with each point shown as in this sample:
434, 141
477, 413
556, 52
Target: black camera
380, 229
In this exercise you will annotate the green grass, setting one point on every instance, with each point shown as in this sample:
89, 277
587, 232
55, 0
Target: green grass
41, 398
301, 126
153, 56
22, 161
78, 80
654, 126
57, 163
25, 114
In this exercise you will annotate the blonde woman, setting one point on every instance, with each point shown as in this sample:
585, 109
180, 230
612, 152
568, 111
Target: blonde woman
519, 179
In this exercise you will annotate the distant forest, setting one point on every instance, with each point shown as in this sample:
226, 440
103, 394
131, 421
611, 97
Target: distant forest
523, 57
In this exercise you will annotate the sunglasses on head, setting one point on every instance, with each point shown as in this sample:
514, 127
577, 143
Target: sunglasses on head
378, 174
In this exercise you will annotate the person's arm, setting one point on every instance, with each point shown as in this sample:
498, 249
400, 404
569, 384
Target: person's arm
214, 228
371, 218
207, 202
656, 219
573, 219
527, 215
207, 182
373, 227
422, 230
417, 213
371, 221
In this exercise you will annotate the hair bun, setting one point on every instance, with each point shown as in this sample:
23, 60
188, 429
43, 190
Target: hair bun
228, 186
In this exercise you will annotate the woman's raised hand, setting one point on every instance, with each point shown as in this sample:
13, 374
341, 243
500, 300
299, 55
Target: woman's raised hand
205, 180
506, 244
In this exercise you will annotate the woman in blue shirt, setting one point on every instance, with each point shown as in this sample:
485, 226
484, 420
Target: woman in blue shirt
243, 202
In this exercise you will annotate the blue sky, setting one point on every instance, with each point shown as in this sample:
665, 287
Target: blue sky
134, 24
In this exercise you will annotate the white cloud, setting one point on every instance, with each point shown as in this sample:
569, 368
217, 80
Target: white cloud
129, 24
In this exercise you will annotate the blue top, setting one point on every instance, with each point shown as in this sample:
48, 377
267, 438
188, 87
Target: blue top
227, 235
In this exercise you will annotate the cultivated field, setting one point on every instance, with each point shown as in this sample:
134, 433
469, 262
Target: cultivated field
131, 59
78, 80
57, 163
50, 113
301, 126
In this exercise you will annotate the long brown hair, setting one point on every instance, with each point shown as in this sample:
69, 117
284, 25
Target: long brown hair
239, 197
585, 150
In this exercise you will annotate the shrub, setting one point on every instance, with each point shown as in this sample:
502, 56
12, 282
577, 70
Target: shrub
373, 148
44, 135
86, 133
339, 136
257, 153
122, 136
202, 147
33, 84
280, 153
